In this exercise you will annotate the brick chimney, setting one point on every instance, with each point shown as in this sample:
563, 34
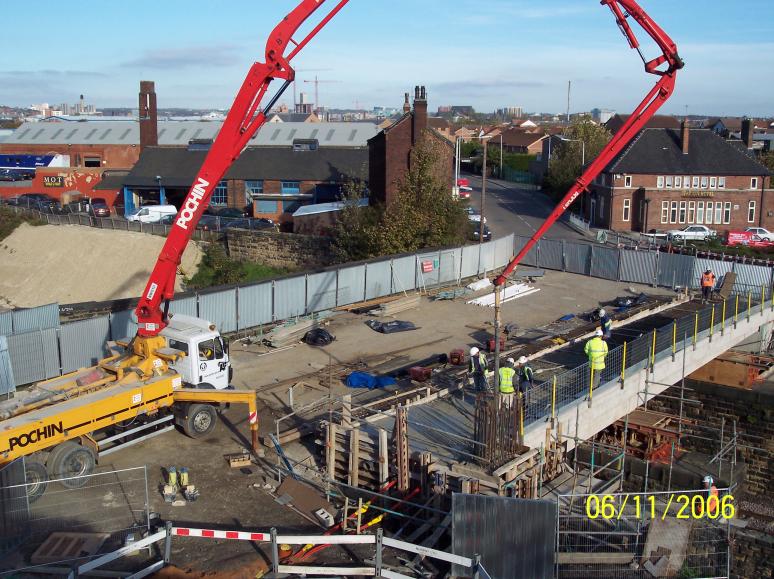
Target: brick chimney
149, 130
685, 134
419, 119
406, 104
747, 133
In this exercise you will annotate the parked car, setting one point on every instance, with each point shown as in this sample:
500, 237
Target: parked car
761, 232
227, 212
476, 229
98, 207
692, 233
151, 213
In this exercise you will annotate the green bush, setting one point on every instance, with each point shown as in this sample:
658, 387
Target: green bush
217, 268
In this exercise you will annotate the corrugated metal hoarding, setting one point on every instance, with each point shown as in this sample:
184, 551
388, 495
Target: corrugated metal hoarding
220, 309
403, 274
82, 343
604, 262
719, 268
185, 306
469, 266
449, 268
320, 291
7, 384
487, 260
6, 323
675, 270
577, 258
514, 537
121, 325
34, 355
638, 266
289, 297
428, 265
519, 241
378, 279
255, 307
503, 250
351, 284
40, 318
752, 275
551, 254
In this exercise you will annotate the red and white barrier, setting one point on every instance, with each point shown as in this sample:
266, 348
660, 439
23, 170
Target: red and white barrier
215, 534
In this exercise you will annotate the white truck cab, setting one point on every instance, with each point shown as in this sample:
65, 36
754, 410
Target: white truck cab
206, 362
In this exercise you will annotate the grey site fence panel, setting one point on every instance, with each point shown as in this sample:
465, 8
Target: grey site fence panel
378, 279
6, 323
427, 265
754, 275
255, 307
577, 258
186, 306
638, 266
604, 262
34, 355
220, 308
503, 250
121, 325
403, 274
449, 267
82, 343
529, 550
39, 318
321, 291
532, 258
551, 254
488, 260
7, 384
469, 261
675, 270
351, 285
289, 297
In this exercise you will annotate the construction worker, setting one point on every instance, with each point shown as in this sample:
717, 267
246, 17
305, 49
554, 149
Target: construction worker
606, 324
507, 374
526, 378
713, 503
596, 350
478, 370
707, 282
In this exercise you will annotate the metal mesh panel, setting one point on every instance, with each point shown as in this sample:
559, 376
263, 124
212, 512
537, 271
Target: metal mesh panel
720, 268
577, 258
449, 268
480, 524
428, 265
638, 266
289, 298
675, 270
220, 309
320, 291
551, 254
40, 318
185, 306
121, 325
754, 275
6, 323
403, 274
351, 285
519, 241
82, 343
604, 263
378, 279
469, 266
7, 384
255, 305
34, 355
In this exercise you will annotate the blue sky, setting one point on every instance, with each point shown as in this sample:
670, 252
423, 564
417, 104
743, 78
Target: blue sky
488, 53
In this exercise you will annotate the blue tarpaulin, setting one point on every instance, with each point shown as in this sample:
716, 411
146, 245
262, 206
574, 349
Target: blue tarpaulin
365, 380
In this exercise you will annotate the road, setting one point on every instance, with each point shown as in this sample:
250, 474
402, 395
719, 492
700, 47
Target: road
510, 209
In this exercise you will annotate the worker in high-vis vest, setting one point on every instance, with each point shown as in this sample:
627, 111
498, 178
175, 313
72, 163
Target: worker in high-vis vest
478, 370
707, 282
596, 350
507, 373
606, 323
713, 502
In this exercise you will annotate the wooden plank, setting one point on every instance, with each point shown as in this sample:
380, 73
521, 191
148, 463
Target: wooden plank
594, 558
515, 462
354, 456
331, 451
297, 570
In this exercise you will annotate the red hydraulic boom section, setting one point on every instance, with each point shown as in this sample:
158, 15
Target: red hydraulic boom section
243, 120
623, 10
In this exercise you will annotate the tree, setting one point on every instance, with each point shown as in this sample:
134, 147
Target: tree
355, 227
565, 165
768, 160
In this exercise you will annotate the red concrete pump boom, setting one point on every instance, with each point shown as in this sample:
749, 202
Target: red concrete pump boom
241, 123
622, 9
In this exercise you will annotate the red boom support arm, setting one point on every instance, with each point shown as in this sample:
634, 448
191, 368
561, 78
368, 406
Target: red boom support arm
241, 123
622, 9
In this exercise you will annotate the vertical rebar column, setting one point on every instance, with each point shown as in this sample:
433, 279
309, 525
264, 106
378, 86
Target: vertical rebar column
401, 442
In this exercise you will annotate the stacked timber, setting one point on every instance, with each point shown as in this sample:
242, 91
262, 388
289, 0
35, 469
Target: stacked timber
290, 334
397, 306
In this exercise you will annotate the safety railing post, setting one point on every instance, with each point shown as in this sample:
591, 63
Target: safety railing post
749, 304
763, 297
674, 339
274, 551
378, 553
521, 419
591, 383
653, 353
695, 328
623, 367
712, 322
723, 321
168, 543
736, 310
553, 401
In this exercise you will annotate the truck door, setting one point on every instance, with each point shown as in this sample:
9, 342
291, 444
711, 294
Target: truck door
213, 363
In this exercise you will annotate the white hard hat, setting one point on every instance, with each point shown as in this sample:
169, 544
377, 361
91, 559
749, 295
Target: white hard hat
473, 351
510, 361
601, 312
598, 332
523, 360
708, 480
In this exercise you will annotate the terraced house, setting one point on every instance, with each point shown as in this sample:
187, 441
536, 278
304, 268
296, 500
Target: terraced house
670, 178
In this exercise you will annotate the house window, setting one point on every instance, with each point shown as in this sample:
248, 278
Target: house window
673, 212
682, 211
669, 181
627, 208
695, 183
691, 211
266, 206
704, 182
601, 208
660, 182
665, 212
252, 190
686, 181
220, 194
700, 212
727, 212
753, 182
678, 182
709, 213
718, 212
627, 180
713, 182
751, 212
291, 187
721, 182
97, 162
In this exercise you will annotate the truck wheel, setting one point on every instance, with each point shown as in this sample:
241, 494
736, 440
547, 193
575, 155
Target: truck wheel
200, 420
36, 478
69, 460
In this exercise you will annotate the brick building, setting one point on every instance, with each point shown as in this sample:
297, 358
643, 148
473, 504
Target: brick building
389, 152
521, 141
668, 179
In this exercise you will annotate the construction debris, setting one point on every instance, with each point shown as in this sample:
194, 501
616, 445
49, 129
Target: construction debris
397, 306
509, 293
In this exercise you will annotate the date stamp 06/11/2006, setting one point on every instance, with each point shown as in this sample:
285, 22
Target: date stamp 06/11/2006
680, 506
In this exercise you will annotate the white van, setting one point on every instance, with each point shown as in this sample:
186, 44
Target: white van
152, 213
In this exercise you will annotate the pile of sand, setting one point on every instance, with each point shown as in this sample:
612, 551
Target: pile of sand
71, 264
